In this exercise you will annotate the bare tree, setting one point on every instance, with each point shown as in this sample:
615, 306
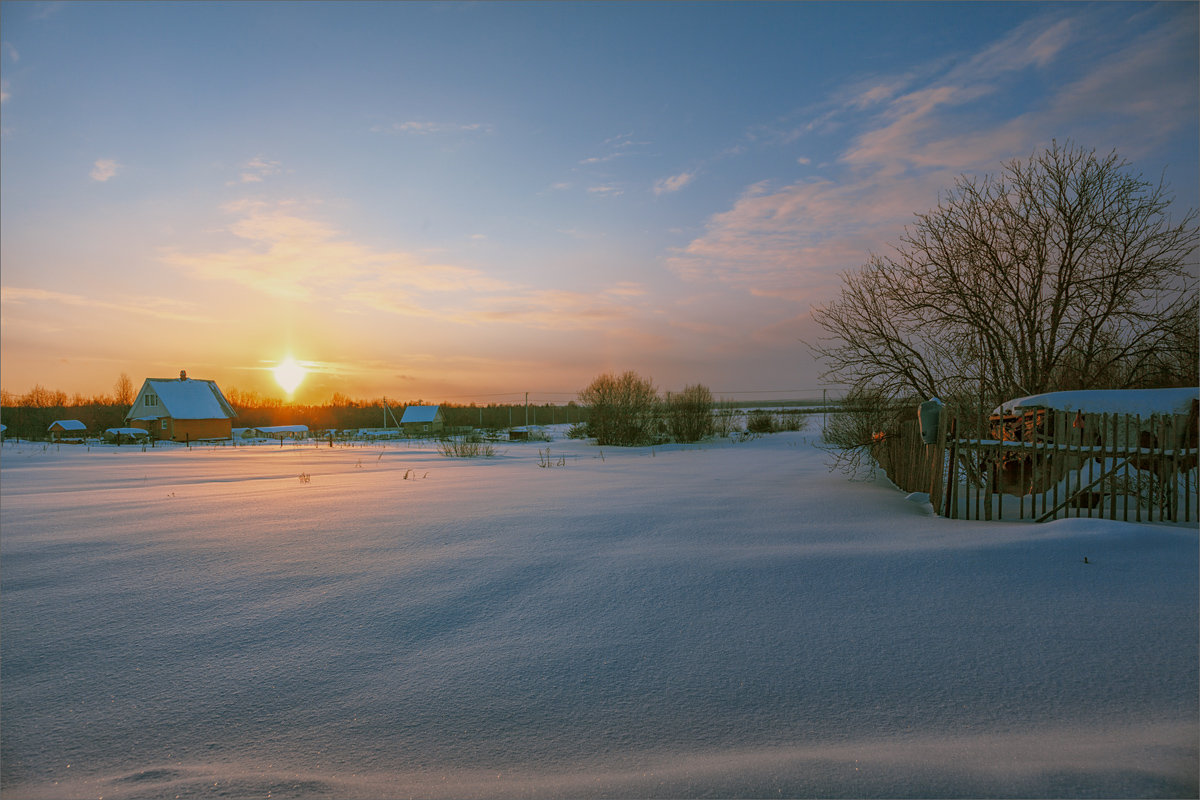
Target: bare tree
1065, 271
123, 390
624, 409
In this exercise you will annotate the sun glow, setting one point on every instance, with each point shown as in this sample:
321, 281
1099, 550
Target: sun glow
289, 374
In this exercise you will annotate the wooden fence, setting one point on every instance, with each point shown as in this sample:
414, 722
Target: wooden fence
1048, 464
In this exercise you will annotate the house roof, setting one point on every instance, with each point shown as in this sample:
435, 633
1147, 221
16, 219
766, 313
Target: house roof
1110, 401
69, 424
419, 414
189, 398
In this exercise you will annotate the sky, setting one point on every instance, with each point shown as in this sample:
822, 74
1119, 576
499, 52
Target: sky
470, 201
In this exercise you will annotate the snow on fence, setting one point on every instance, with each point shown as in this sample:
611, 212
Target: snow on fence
1043, 464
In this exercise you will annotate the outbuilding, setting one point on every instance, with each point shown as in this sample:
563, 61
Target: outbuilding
284, 431
67, 430
422, 420
182, 410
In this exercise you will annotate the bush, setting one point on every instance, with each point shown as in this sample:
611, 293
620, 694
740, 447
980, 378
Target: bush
851, 435
469, 446
690, 414
760, 421
578, 431
624, 409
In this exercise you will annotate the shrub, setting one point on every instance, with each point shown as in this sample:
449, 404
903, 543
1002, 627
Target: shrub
469, 446
690, 414
624, 409
578, 431
760, 421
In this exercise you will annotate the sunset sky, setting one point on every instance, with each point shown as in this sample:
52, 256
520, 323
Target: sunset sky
469, 201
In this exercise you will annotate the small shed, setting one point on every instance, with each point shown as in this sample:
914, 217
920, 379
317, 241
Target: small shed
183, 409
284, 431
422, 420
67, 430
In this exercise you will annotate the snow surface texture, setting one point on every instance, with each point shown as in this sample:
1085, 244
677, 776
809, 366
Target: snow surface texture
729, 619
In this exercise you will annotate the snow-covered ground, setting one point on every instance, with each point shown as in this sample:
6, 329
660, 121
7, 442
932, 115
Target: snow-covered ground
728, 619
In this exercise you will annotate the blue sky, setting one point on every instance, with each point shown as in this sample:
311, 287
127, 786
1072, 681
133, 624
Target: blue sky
452, 200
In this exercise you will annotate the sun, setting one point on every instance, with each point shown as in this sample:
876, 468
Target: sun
289, 374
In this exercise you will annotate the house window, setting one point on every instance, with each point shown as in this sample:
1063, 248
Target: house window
151, 400
164, 423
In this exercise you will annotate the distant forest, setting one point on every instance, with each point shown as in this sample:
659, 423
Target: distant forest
28, 416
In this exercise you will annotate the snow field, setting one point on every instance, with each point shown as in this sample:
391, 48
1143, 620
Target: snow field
727, 619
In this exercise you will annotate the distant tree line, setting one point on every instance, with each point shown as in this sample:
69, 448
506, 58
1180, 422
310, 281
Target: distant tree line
29, 415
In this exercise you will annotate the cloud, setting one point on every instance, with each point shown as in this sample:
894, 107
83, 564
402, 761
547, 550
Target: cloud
673, 183
606, 190
4, 95
284, 251
11, 52
434, 128
256, 170
907, 137
615, 147
103, 169
158, 308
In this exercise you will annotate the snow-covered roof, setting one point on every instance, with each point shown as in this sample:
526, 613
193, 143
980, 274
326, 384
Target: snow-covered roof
1110, 401
189, 398
283, 429
419, 414
127, 431
69, 425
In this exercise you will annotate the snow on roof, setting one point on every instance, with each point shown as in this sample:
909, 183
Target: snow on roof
191, 398
69, 424
127, 431
419, 414
1111, 401
283, 429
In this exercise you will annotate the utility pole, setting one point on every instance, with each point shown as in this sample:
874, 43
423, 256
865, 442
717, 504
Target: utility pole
527, 410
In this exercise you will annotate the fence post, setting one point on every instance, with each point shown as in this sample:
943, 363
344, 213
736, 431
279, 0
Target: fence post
952, 471
937, 455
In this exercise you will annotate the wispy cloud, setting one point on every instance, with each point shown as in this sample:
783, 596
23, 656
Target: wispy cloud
256, 170
4, 95
155, 307
11, 52
613, 148
908, 136
606, 190
426, 128
673, 183
104, 169
286, 252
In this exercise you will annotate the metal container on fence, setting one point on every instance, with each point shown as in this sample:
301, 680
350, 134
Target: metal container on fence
929, 413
